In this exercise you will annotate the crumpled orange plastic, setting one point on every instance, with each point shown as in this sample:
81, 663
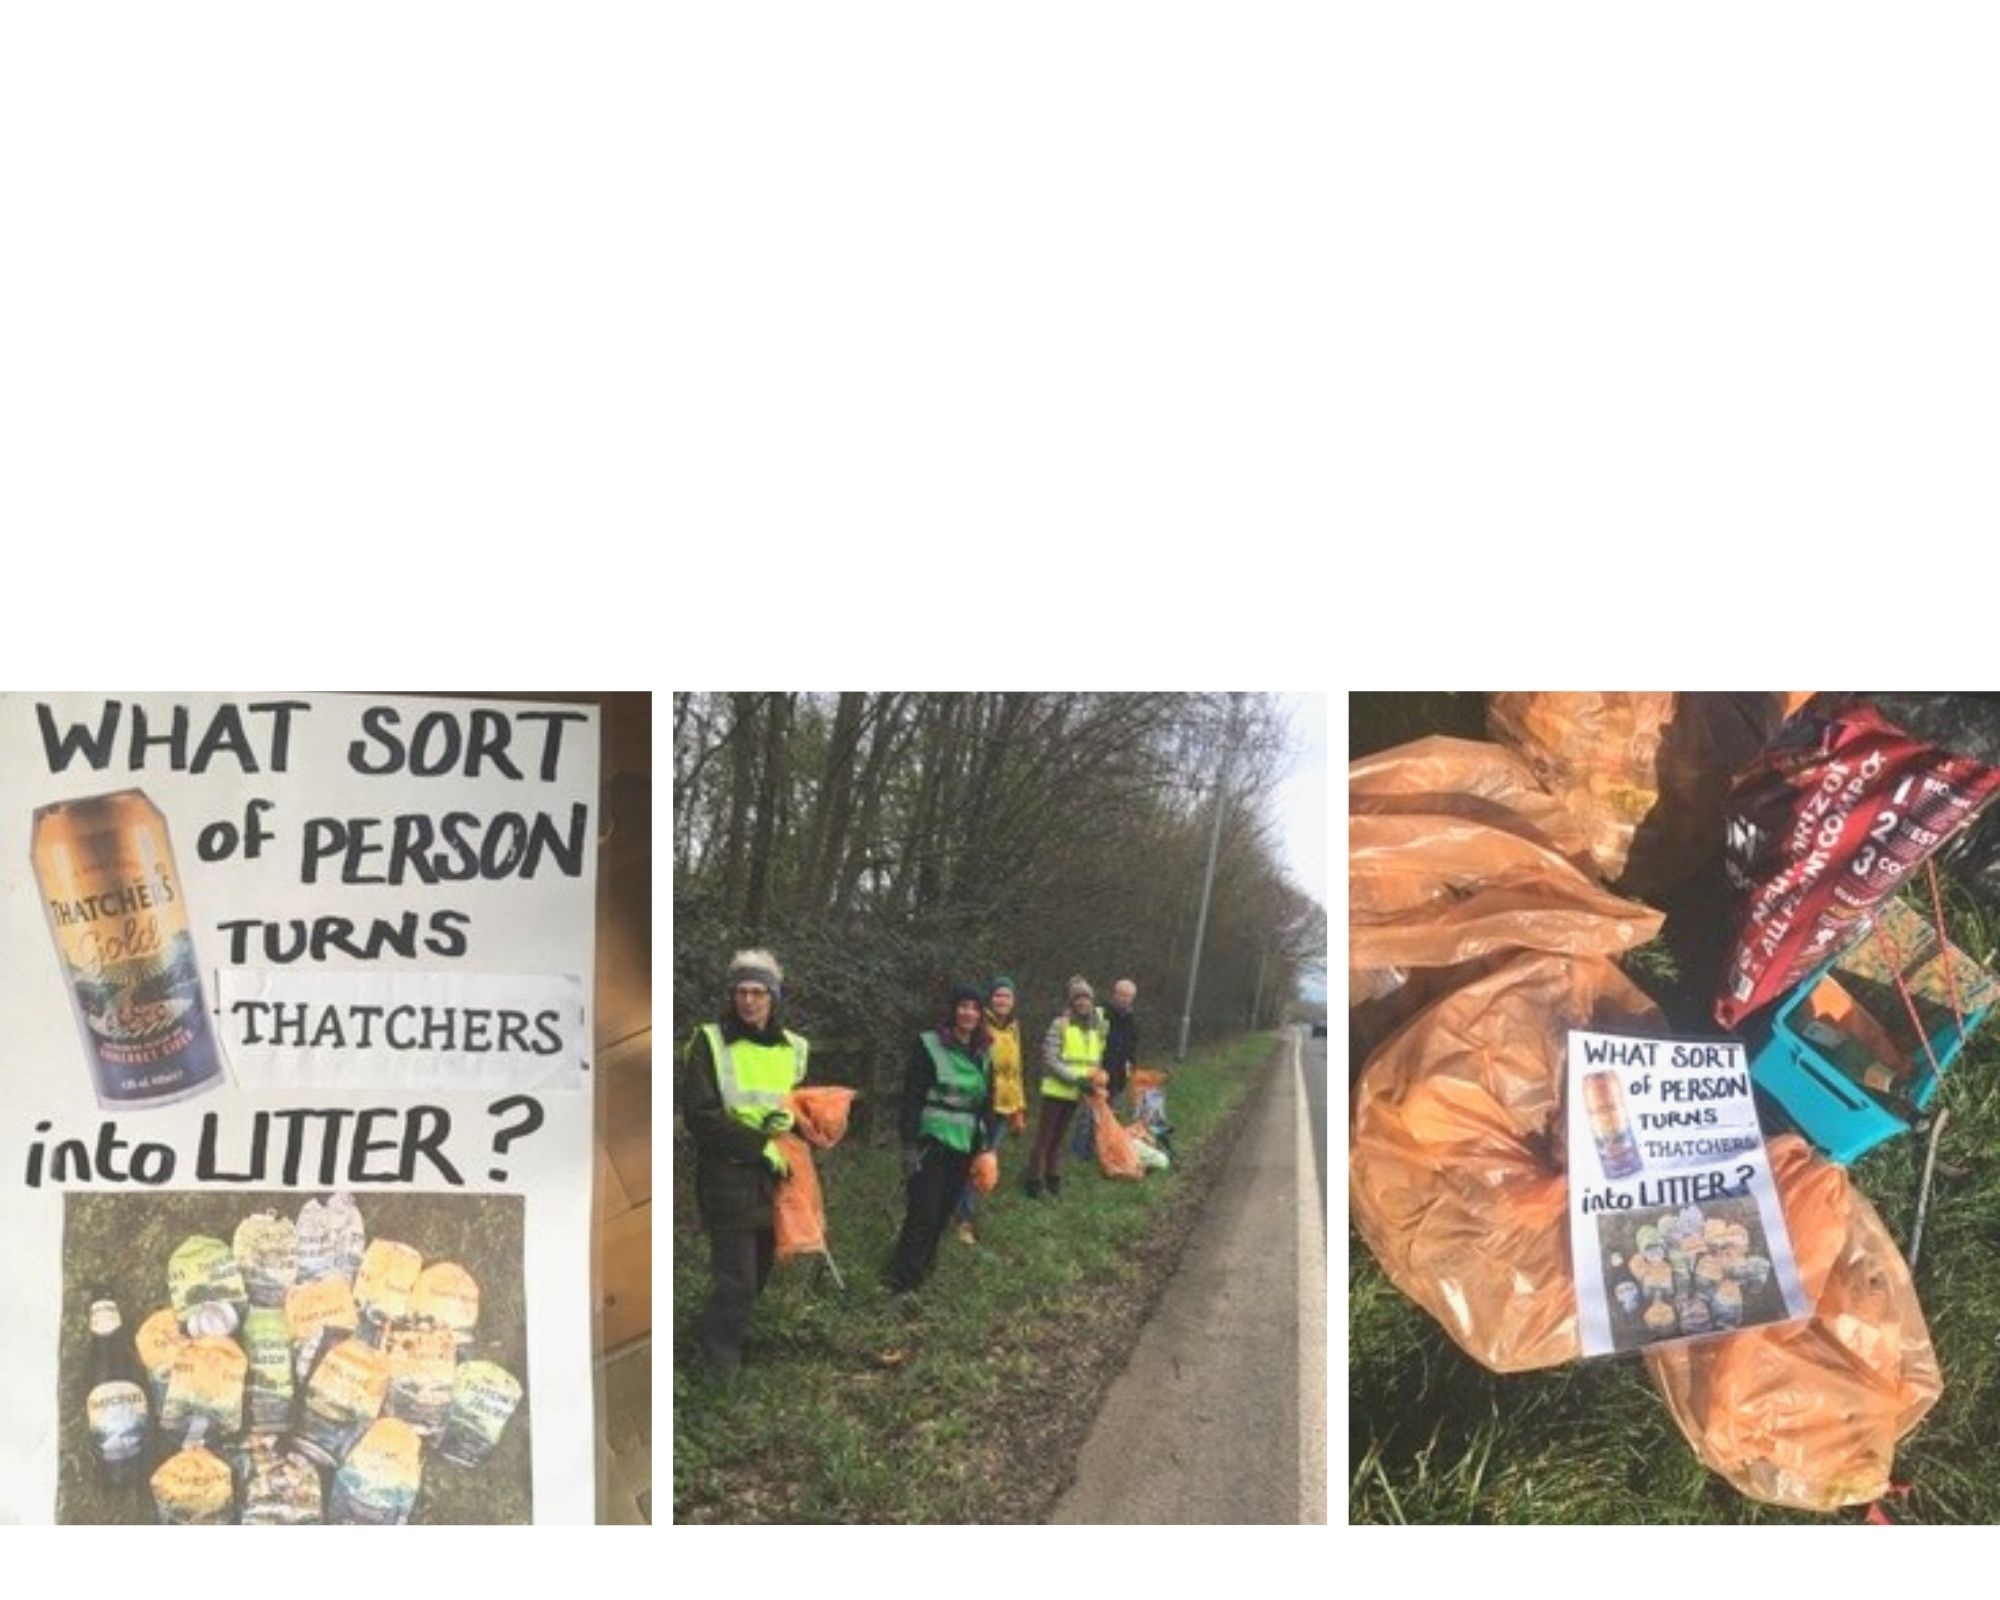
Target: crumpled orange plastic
798, 1212
1456, 1157
1807, 1414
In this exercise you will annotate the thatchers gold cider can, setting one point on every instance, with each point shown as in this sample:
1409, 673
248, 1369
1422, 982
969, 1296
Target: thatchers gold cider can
194, 1486
206, 1389
113, 897
343, 1397
423, 1361
280, 1489
321, 1314
378, 1481
483, 1398
267, 1340
159, 1343
266, 1247
448, 1294
383, 1285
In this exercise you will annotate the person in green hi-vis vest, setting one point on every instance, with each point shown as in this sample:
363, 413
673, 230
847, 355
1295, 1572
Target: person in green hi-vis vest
947, 1107
736, 1075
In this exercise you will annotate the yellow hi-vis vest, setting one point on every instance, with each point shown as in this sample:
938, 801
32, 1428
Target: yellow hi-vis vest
755, 1078
1083, 1046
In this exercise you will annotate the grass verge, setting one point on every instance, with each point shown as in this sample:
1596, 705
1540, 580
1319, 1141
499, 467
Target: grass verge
968, 1401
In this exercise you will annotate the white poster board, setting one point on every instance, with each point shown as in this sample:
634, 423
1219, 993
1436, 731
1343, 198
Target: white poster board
1676, 1231
256, 951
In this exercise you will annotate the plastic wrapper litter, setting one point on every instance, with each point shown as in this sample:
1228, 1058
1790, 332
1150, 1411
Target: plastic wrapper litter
1455, 1159
1807, 1414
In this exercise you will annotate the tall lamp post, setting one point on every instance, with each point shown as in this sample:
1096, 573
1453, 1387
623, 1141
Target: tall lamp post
1207, 879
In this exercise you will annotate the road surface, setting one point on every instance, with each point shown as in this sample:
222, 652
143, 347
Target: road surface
1221, 1414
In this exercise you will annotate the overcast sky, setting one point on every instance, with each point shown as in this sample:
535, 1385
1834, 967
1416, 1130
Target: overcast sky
1304, 806
1303, 801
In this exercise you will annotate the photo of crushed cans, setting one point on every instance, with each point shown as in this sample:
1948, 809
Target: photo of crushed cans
299, 1373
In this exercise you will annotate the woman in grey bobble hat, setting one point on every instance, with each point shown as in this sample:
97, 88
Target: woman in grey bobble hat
736, 1074
1072, 1049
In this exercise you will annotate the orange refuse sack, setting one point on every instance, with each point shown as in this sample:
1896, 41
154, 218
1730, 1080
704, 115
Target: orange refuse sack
1115, 1156
1643, 774
1456, 860
798, 1211
1456, 1175
1807, 1414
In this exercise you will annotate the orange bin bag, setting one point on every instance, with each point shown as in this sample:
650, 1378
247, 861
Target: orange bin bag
1471, 778
798, 1211
1456, 1154
1435, 891
1597, 753
1644, 775
821, 1113
1807, 1414
1115, 1156
984, 1174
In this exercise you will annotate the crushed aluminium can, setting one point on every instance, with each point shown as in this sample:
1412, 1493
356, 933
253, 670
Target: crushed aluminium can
378, 1481
194, 1486
281, 1489
266, 1247
343, 1396
483, 1398
201, 1272
423, 1362
382, 1287
158, 1343
320, 1314
448, 1294
206, 1389
267, 1338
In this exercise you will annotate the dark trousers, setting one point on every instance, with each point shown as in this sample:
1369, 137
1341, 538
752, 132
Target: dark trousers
740, 1260
931, 1192
1047, 1154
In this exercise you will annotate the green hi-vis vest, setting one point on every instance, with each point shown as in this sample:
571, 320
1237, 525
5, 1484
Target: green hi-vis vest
755, 1078
1082, 1047
951, 1108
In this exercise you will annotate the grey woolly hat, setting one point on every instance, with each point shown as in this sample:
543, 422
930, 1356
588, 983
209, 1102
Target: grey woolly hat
1079, 986
756, 966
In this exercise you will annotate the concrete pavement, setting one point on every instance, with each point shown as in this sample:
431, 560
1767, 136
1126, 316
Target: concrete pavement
1217, 1418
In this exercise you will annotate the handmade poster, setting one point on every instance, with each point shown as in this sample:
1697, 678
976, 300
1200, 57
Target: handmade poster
296, 1127
1676, 1231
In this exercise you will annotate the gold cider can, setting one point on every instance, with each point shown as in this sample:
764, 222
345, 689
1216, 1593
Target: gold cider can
114, 901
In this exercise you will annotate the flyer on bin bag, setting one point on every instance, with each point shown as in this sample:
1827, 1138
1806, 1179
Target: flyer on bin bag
296, 1134
1676, 1230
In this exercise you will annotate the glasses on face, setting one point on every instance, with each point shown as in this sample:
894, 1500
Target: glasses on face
749, 991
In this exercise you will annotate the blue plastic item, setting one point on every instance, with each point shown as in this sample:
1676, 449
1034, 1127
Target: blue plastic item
1830, 1108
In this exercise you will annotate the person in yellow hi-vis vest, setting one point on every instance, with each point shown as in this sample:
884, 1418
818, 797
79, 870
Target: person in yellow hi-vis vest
736, 1073
1072, 1056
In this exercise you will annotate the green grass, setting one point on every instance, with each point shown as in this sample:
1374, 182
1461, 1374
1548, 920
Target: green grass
1434, 1437
964, 1402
